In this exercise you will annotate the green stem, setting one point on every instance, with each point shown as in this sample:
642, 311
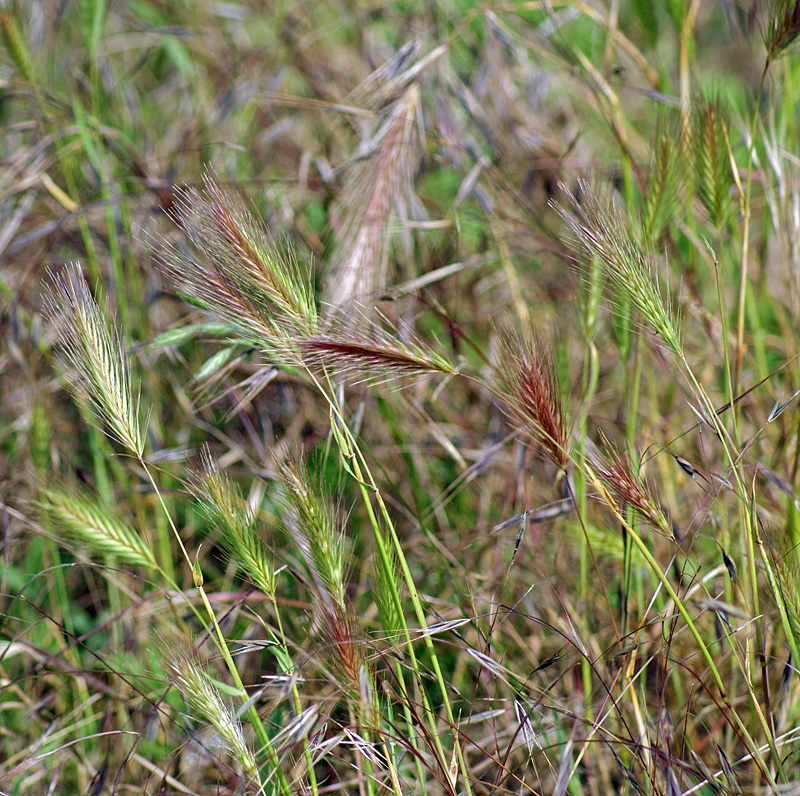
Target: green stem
252, 713
368, 488
298, 706
746, 234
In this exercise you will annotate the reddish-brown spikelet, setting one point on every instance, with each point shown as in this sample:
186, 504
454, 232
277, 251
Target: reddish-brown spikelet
627, 487
242, 273
783, 27
343, 640
533, 394
236, 228
382, 359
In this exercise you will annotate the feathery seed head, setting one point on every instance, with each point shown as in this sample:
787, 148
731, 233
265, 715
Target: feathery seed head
627, 487
601, 231
659, 199
88, 522
312, 520
783, 27
709, 149
377, 187
533, 394
195, 685
94, 356
224, 505
15, 45
369, 351
242, 273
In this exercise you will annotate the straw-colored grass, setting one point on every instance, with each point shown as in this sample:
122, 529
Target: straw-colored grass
524, 523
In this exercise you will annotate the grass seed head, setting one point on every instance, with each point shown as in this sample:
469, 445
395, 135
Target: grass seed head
783, 27
312, 519
602, 232
659, 199
224, 505
195, 685
370, 204
709, 149
242, 274
86, 521
627, 487
94, 356
368, 351
533, 394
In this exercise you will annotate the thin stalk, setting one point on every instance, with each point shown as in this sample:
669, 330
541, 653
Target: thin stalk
298, 705
749, 526
589, 380
656, 570
746, 234
719, 279
252, 713
367, 486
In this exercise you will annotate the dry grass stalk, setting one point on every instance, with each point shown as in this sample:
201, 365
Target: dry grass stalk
368, 206
94, 356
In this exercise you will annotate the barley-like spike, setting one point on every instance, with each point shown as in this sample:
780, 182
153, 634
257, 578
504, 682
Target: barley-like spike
533, 394
243, 274
783, 27
384, 358
223, 503
94, 356
86, 521
712, 174
368, 206
627, 487
15, 45
195, 685
659, 200
601, 231
313, 521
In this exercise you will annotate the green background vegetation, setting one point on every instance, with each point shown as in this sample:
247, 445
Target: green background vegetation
547, 188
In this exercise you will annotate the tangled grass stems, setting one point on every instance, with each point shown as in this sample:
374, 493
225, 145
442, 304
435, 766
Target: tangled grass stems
99, 360
285, 330
503, 124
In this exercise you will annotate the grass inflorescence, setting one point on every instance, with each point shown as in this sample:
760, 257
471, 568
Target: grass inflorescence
417, 414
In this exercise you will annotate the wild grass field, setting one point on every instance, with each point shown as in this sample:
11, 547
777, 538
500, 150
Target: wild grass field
400, 398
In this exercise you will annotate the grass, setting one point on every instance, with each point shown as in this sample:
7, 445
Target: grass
417, 413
